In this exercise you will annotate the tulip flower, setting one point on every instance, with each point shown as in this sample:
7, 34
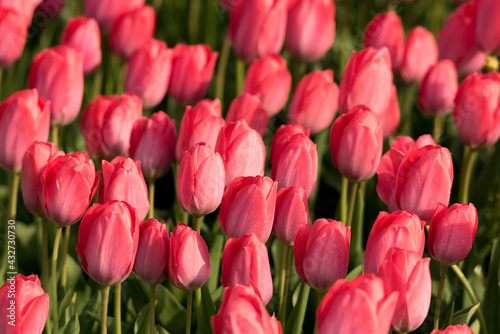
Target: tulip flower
457, 329
14, 28
106, 11
242, 311
488, 35
245, 261
242, 150
290, 214
91, 126
421, 52
192, 69
257, 28
24, 304
401, 229
122, 180
322, 253
57, 73
200, 180
283, 136
199, 124
438, 88
314, 101
24, 119
24, 7
356, 141
269, 79
407, 273
363, 305
83, 34
390, 118
248, 207
310, 30
148, 73
152, 142
386, 30
248, 107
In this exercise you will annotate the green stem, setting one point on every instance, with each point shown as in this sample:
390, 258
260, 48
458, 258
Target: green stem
118, 308
343, 199
211, 23
152, 297
438, 128
97, 85
299, 73
408, 100
151, 198
321, 296
356, 249
468, 160
197, 223
297, 321
53, 298
120, 85
45, 264
67, 233
199, 311
193, 19
440, 292
1, 76
13, 193
353, 189
437, 15
222, 69
321, 141
284, 281
157, 5
104, 310
189, 311
240, 75
54, 135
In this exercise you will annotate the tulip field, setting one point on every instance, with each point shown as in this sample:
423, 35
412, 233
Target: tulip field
249, 166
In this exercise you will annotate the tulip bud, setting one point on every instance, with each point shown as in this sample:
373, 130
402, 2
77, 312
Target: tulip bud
242, 311
421, 52
248, 207
199, 124
34, 162
290, 214
24, 7
356, 142
148, 73
400, 229
91, 126
283, 136
386, 30
57, 73
457, 329
24, 304
249, 108
322, 253
13, 28
242, 150
122, 180
188, 259
269, 79
192, 70
488, 35
257, 28
363, 305
407, 273
476, 115
438, 88
310, 29
107, 242
152, 142
314, 101
151, 260
245, 261
24, 119
106, 11
83, 35
452, 232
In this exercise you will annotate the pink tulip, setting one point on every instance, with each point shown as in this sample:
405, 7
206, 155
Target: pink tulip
314, 101
24, 119
438, 88
91, 125
13, 28
290, 214
107, 242
390, 118
421, 52
24, 7
457, 329
106, 11
248, 107
282, 137
488, 35
245, 261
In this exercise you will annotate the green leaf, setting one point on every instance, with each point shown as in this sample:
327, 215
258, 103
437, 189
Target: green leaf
215, 260
449, 316
296, 318
90, 317
170, 313
206, 311
73, 326
354, 273
491, 302
464, 315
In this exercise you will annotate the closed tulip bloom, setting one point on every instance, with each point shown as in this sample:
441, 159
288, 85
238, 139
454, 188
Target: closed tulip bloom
310, 30
82, 33
24, 119
24, 7
248, 207
314, 101
25, 304
122, 180
257, 28
57, 73
421, 52
269, 78
457, 329
148, 73
390, 118
407, 273
356, 141
107, 242
242, 150
400, 229
151, 260
242, 311
438, 88
248, 107
282, 136
200, 180
34, 162
457, 41
363, 305
487, 35
106, 11
192, 70
477, 110
152, 142
322, 253
290, 214
14, 29
199, 124
132, 30
245, 261
452, 232
386, 30
188, 259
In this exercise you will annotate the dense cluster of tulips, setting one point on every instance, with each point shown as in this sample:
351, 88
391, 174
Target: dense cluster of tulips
235, 242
